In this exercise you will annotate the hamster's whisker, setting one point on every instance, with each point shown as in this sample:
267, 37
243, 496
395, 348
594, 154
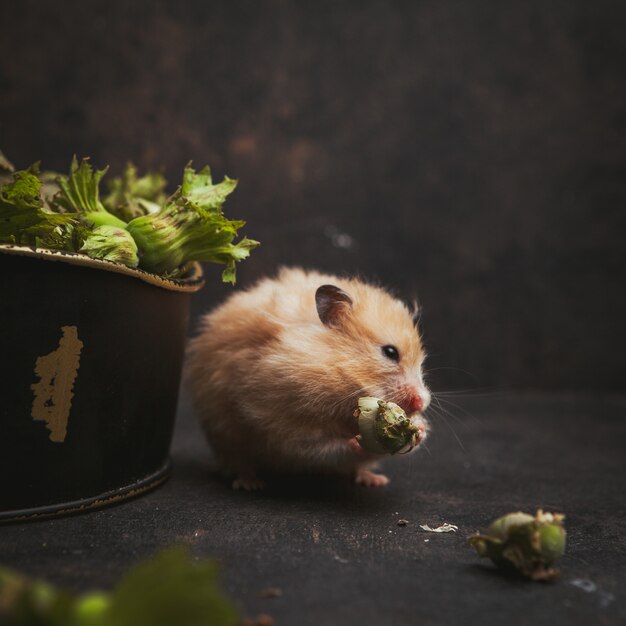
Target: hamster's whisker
456, 406
454, 369
442, 409
440, 413
470, 393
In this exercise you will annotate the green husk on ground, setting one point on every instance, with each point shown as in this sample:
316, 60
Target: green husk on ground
522, 544
170, 588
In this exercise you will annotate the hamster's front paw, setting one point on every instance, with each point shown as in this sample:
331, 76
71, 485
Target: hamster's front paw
356, 447
248, 483
370, 479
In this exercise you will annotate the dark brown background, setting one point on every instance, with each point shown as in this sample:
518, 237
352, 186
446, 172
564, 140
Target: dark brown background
469, 153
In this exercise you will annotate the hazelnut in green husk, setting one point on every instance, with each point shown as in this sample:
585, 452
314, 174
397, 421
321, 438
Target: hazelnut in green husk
111, 243
384, 427
523, 544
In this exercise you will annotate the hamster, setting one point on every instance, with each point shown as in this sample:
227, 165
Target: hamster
276, 371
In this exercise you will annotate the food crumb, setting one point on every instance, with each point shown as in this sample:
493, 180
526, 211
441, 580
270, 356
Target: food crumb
270, 592
403, 522
444, 528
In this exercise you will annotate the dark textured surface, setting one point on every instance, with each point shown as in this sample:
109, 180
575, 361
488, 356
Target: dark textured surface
472, 152
336, 550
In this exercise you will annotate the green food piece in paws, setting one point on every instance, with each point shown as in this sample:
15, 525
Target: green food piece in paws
384, 427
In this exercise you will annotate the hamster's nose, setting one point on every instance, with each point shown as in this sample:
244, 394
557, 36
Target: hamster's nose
414, 403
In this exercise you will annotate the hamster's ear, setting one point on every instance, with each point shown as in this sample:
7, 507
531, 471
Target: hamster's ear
332, 304
416, 314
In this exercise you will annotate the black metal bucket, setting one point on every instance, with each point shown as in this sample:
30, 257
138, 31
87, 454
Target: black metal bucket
91, 355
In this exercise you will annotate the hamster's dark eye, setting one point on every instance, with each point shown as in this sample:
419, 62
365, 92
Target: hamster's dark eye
391, 352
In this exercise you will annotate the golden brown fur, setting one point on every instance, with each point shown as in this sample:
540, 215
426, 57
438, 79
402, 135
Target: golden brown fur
275, 388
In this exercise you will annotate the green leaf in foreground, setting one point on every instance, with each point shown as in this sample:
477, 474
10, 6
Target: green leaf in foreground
169, 589
91, 610
191, 227
25, 602
131, 196
522, 544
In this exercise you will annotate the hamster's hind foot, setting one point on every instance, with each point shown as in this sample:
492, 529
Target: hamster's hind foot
248, 483
370, 479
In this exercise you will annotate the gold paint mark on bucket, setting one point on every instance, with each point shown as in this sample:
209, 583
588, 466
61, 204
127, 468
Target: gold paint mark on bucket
53, 393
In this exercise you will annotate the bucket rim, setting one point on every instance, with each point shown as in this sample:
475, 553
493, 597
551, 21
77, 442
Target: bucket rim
193, 282
117, 495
